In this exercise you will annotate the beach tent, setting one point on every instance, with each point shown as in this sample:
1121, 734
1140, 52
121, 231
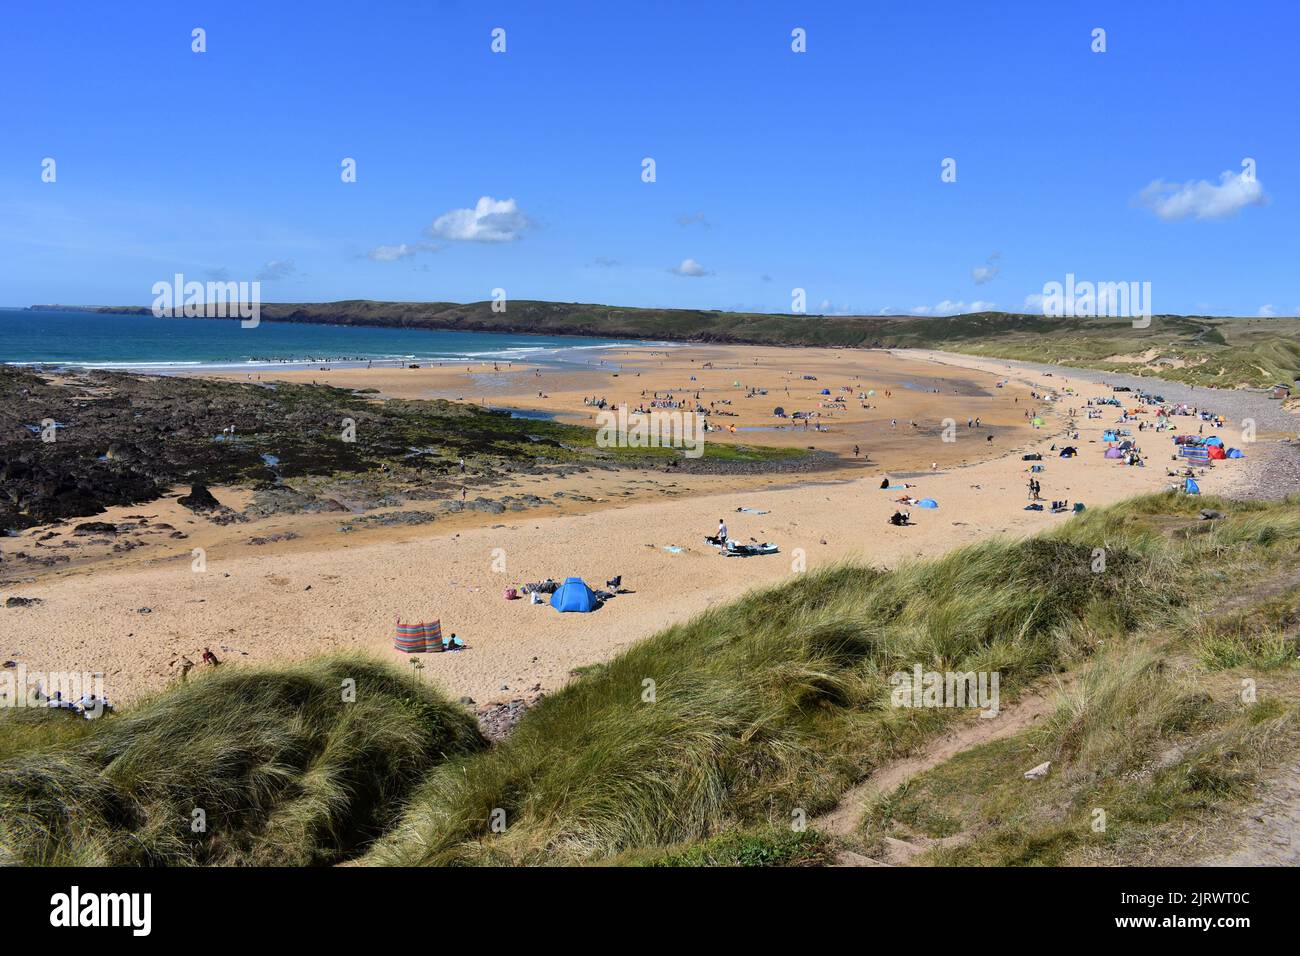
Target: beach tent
1114, 453
1214, 440
826, 391
574, 595
1236, 453
779, 412
1038, 423
1191, 487
1109, 435
1216, 452
871, 393
927, 503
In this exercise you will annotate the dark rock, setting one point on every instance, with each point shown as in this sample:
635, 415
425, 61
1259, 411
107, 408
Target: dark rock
199, 499
95, 527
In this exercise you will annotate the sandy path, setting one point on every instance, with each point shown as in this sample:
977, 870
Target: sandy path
274, 607
844, 819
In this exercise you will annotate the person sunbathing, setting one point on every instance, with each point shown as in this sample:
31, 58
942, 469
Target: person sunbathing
900, 518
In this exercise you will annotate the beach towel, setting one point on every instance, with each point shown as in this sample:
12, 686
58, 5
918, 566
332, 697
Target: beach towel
736, 550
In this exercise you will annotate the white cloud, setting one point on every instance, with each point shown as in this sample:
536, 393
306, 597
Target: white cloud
988, 271
694, 219
277, 269
827, 307
491, 220
1267, 312
1201, 199
400, 251
691, 268
949, 307
604, 262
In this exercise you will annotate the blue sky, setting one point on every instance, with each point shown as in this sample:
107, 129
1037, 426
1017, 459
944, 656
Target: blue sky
774, 169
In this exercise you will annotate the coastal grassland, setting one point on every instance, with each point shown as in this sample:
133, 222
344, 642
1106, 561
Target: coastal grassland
282, 767
1145, 739
771, 707
1198, 350
1162, 733
702, 744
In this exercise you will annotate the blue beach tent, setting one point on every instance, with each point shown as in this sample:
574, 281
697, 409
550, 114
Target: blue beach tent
574, 595
1236, 453
1214, 440
927, 503
1191, 487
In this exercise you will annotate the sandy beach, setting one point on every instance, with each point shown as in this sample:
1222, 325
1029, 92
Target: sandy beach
303, 588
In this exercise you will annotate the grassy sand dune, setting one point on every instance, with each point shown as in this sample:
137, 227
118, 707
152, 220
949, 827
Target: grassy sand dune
704, 743
284, 768
773, 706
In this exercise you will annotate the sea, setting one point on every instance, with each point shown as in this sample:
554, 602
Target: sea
146, 343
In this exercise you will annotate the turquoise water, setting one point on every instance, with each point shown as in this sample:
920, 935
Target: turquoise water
148, 343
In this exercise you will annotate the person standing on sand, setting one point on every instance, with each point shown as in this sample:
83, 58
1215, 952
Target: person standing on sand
722, 531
